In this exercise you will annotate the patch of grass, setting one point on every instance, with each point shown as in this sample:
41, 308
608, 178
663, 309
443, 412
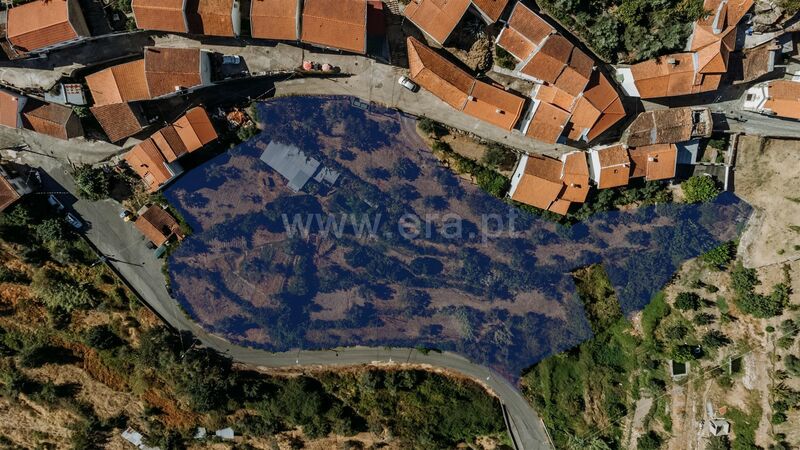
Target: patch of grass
744, 426
598, 296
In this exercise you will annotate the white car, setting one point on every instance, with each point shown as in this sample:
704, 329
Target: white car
408, 84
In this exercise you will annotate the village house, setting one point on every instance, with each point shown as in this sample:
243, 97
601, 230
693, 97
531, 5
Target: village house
780, 98
669, 126
52, 119
335, 24
162, 72
704, 64
43, 25
155, 159
551, 184
615, 165
14, 183
277, 20
571, 100
460, 90
120, 120
206, 17
157, 225
438, 18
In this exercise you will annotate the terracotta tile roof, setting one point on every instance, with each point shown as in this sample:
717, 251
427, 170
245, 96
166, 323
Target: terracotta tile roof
437, 18
666, 76
168, 68
575, 177
547, 123
161, 15
458, 89
540, 184
654, 162
54, 120
119, 120
492, 8
9, 109
663, 126
604, 98
157, 225
576, 74
148, 162
783, 98
614, 166
274, 19
8, 195
560, 206
169, 143
437, 75
40, 23
551, 59
340, 24
210, 17
494, 105
119, 84
195, 129
612, 115
529, 26
555, 96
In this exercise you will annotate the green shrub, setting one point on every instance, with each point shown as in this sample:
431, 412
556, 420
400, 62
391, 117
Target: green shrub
57, 291
93, 183
687, 301
719, 257
700, 188
431, 127
102, 337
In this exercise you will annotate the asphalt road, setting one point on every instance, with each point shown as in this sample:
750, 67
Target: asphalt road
127, 253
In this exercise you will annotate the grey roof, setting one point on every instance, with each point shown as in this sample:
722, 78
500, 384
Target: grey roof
327, 175
687, 152
290, 162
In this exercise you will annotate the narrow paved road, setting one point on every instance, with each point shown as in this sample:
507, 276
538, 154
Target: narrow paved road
128, 254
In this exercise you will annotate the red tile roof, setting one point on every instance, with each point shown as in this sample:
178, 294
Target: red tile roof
54, 120
340, 24
169, 68
274, 19
492, 8
437, 18
8, 195
169, 143
460, 90
540, 184
783, 98
195, 129
210, 17
157, 225
161, 15
438, 75
119, 84
547, 123
613, 168
119, 120
9, 109
654, 162
42, 23
148, 162
575, 177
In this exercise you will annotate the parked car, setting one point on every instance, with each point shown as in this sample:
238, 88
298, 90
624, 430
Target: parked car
408, 84
126, 215
74, 221
231, 59
55, 203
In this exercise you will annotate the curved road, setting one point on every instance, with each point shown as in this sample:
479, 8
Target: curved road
128, 255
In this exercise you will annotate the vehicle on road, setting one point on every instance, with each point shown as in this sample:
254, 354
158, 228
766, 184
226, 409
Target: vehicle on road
74, 221
408, 84
55, 203
231, 59
126, 215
